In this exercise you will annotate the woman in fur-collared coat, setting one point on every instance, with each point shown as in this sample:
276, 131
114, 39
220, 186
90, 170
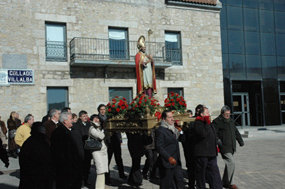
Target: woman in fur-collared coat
101, 156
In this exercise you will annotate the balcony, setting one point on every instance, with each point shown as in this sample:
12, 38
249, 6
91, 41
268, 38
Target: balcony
108, 53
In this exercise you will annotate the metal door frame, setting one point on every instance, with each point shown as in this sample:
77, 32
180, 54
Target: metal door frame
243, 112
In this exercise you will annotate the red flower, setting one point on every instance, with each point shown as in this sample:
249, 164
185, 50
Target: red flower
113, 106
173, 104
123, 107
118, 109
145, 100
158, 115
109, 110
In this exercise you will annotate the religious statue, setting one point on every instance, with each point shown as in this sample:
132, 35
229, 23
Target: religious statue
146, 81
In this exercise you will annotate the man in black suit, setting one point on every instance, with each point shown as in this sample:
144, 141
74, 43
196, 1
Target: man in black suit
51, 124
82, 126
166, 141
65, 155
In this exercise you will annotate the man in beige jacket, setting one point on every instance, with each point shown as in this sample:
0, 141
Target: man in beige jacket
24, 131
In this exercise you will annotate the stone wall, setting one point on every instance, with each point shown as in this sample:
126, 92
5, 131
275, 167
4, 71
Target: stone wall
23, 32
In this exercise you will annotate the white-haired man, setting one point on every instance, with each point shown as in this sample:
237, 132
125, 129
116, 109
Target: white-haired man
65, 155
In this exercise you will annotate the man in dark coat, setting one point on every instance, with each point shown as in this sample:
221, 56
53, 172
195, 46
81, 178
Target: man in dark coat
136, 149
149, 169
65, 155
166, 141
113, 142
51, 124
228, 134
205, 151
82, 126
35, 161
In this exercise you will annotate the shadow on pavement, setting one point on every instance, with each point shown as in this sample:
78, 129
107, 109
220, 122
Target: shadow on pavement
6, 186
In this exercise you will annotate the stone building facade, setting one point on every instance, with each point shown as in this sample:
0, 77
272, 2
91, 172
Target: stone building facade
23, 45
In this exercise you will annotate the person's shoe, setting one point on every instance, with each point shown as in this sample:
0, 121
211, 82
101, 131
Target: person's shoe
87, 184
233, 186
145, 176
137, 185
123, 176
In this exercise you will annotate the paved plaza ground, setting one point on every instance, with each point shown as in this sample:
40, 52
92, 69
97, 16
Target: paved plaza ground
260, 164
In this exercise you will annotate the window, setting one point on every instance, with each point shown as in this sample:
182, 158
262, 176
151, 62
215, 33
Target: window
237, 66
251, 22
266, 21
118, 43
176, 90
236, 42
269, 67
224, 37
121, 91
252, 43
253, 67
265, 4
173, 47
267, 44
234, 18
225, 58
250, 3
281, 68
223, 17
57, 97
279, 21
280, 41
55, 42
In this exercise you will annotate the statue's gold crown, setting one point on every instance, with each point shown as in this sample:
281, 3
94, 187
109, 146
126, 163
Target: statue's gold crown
141, 42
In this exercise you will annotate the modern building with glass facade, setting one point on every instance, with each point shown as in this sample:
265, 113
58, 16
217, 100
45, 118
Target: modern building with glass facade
253, 54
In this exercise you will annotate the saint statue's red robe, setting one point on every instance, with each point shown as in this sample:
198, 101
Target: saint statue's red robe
139, 72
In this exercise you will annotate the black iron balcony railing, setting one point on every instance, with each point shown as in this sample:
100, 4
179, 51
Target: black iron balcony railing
56, 51
108, 51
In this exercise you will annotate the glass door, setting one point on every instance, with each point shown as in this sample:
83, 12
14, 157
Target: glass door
241, 111
282, 104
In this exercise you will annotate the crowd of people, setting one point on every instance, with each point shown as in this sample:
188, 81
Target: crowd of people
52, 152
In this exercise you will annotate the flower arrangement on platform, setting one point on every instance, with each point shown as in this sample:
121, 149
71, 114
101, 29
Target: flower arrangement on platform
140, 103
176, 102
117, 107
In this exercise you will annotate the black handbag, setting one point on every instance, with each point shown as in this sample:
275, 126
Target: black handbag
92, 144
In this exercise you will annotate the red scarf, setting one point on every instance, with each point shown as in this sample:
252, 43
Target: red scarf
206, 119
